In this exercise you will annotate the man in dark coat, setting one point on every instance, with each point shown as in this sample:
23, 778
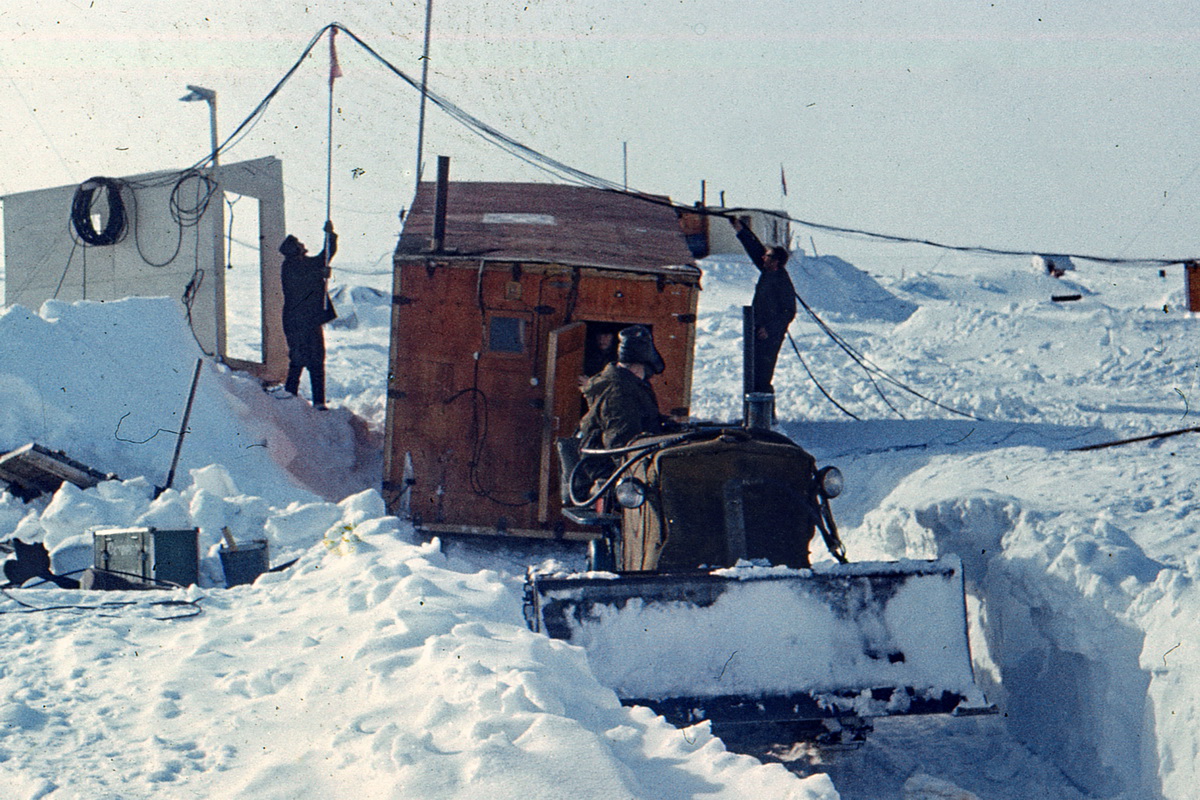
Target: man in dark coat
306, 308
774, 303
601, 350
621, 402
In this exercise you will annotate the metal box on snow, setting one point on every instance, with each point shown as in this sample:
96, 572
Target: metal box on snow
153, 555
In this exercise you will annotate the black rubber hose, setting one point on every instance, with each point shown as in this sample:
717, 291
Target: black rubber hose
81, 212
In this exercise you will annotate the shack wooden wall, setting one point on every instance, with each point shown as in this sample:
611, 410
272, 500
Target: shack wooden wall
470, 419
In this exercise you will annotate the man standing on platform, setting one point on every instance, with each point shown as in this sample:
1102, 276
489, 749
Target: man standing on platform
774, 302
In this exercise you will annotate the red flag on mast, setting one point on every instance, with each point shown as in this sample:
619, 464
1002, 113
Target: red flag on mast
335, 71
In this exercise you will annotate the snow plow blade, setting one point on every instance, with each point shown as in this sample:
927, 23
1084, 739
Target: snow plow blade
771, 645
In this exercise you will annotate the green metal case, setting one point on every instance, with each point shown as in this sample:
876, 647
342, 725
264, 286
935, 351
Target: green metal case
150, 555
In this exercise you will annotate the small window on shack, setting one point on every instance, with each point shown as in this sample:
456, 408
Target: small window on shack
506, 335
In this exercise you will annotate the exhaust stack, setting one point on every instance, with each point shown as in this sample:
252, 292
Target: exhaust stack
760, 411
438, 241
758, 408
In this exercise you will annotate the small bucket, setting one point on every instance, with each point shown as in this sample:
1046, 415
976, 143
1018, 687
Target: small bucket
245, 563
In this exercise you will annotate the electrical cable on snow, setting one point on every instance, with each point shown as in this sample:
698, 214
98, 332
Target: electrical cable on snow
28, 608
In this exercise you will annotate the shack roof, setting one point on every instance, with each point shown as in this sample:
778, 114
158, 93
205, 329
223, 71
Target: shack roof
550, 223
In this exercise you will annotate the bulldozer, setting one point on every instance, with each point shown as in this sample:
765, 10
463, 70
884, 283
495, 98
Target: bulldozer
700, 601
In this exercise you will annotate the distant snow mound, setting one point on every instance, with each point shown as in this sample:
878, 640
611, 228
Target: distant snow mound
827, 283
985, 291
840, 288
360, 305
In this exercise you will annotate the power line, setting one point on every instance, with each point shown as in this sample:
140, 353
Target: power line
565, 172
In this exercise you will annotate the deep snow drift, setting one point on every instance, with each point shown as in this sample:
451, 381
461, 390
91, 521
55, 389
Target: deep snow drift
379, 667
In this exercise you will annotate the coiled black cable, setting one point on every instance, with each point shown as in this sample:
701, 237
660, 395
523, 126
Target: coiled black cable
81, 212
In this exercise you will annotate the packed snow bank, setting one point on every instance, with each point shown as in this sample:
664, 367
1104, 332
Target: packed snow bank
375, 667
107, 383
1071, 604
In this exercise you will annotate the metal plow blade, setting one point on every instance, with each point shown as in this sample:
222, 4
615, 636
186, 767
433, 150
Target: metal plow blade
771, 644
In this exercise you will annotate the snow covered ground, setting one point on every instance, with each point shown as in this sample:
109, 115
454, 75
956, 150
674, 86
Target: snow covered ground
378, 666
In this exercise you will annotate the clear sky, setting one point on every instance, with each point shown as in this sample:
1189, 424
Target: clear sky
1063, 126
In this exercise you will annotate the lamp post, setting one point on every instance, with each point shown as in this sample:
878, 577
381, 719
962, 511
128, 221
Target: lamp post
196, 93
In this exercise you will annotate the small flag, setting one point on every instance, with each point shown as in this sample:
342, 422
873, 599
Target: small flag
335, 71
782, 180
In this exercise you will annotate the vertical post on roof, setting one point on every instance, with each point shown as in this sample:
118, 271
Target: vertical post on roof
625, 163
439, 205
703, 193
424, 91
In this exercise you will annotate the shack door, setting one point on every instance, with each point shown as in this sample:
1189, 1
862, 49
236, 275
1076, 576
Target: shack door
564, 365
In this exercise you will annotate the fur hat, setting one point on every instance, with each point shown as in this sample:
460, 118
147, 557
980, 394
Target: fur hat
291, 246
635, 345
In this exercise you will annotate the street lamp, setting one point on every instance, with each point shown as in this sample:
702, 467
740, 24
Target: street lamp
196, 93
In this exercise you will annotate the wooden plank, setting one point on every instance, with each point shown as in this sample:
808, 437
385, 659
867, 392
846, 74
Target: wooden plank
32, 470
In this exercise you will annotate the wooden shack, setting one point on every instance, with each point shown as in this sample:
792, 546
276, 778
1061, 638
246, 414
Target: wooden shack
496, 302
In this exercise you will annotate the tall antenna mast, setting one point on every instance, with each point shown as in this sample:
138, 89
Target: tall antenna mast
424, 93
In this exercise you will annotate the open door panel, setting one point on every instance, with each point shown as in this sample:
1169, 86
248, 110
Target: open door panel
564, 365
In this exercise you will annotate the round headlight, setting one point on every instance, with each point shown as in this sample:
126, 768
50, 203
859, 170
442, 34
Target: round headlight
830, 481
630, 492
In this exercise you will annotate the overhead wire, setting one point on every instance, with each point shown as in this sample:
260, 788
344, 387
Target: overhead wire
976, 249
565, 172
572, 174
817, 383
256, 114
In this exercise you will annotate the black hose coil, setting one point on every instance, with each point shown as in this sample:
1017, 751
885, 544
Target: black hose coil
81, 212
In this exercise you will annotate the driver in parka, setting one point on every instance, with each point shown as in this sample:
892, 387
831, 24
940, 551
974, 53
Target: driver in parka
621, 401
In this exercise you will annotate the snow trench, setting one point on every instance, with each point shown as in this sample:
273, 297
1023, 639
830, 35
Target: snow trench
1054, 646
